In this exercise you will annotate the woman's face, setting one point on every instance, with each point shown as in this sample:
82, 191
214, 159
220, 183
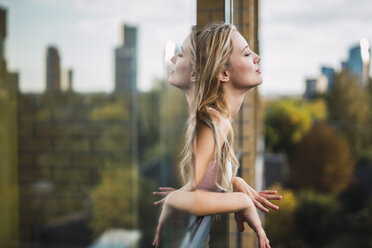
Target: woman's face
244, 69
181, 73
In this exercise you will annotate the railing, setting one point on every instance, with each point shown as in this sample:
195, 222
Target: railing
198, 231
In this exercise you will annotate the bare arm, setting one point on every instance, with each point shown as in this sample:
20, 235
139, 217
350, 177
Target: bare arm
205, 143
202, 202
203, 150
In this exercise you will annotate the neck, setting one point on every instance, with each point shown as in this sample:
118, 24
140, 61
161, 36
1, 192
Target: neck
189, 93
234, 98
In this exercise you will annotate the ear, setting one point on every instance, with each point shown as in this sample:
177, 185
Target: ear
224, 76
193, 76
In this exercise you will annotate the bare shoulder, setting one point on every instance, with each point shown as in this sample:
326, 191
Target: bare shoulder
203, 131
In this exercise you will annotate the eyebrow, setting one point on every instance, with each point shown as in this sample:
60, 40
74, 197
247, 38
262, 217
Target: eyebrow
245, 48
182, 49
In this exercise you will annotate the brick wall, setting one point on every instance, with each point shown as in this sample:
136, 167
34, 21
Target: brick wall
65, 141
8, 162
248, 122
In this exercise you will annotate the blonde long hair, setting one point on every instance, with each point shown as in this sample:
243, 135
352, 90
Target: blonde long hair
211, 47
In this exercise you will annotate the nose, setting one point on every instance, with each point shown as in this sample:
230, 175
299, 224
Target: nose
174, 59
257, 58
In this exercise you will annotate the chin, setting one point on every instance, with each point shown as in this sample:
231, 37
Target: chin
171, 82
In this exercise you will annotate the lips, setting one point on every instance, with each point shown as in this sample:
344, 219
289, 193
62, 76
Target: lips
258, 71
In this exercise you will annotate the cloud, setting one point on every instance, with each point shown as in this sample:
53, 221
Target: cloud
297, 37
94, 29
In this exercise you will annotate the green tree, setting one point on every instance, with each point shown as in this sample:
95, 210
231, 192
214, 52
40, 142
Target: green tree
323, 161
114, 197
286, 121
149, 130
280, 224
318, 219
349, 107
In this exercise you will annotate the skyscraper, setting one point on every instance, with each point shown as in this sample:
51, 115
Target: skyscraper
53, 70
67, 80
359, 61
354, 63
365, 53
126, 62
310, 89
329, 73
316, 86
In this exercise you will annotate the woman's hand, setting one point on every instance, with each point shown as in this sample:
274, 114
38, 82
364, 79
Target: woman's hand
259, 199
255, 223
164, 191
166, 211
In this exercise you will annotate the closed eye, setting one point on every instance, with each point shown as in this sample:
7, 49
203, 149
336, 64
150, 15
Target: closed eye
247, 54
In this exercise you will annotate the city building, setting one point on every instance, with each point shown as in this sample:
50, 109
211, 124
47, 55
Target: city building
365, 52
67, 80
358, 62
310, 89
329, 73
53, 70
126, 62
275, 170
13, 79
316, 86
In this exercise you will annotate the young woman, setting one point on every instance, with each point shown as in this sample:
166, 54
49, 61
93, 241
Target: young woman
183, 77
225, 69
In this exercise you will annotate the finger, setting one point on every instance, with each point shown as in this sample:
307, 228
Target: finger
260, 207
268, 243
167, 188
271, 197
271, 192
159, 202
261, 242
261, 238
156, 240
267, 203
161, 193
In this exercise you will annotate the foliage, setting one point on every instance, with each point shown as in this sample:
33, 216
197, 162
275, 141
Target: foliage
115, 196
288, 120
318, 219
118, 110
163, 114
317, 109
323, 161
349, 107
305, 219
149, 130
280, 224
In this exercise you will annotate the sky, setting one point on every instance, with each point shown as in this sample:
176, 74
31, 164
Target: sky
86, 32
296, 38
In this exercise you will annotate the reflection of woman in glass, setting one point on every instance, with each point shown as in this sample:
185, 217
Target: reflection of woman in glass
225, 69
